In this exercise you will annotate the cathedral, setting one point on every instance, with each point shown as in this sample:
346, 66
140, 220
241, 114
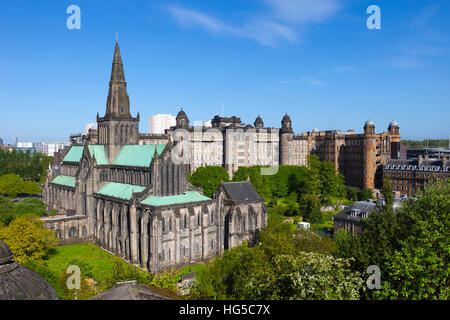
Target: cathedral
135, 201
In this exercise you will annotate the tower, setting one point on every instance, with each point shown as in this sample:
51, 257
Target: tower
117, 128
259, 122
369, 155
286, 136
394, 139
182, 120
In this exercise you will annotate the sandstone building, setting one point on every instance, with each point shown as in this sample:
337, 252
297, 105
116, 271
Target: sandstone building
134, 199
359, 157
409, 175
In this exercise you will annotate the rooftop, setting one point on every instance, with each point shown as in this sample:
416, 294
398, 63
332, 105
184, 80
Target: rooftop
119, 190
188, 196
240, 191
138, 155
65, 181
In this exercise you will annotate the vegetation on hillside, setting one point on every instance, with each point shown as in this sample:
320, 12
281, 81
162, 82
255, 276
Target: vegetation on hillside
28, 166
10, 210
209, 178
430, 143
411, 246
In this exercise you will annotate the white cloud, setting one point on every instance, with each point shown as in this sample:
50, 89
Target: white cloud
343, 68
262, 31
406, 62
304, 11
269, 29
311, 81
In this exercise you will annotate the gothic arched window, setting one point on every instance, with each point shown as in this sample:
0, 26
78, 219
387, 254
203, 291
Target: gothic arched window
73, 233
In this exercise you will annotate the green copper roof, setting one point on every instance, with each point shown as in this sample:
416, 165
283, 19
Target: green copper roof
65, 181
188, 196
99, 152
119, 190
74, 154
138, 155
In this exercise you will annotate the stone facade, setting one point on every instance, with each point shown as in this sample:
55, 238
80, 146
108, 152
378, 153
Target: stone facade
359, 157
408, 176
135, 201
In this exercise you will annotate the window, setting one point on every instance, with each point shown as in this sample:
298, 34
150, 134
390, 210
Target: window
73, 233
198, 220
170, 228
163, 225
185, 221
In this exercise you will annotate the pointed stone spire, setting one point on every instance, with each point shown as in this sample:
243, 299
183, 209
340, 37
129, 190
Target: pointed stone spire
118, 102
117, 74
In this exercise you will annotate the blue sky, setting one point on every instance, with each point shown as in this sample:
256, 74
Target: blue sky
314, 59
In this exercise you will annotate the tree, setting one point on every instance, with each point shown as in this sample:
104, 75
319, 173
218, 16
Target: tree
10, 210
418, 267
27, 238
309, 207
11, 184
209, 178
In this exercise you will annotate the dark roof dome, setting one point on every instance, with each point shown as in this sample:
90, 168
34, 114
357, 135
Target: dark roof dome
286, 118
181, 113
259, 122
20, 283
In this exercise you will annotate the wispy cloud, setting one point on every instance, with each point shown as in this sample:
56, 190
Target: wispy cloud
343, 69
271, 28
311, 81
262, 31
406, 62
304, 11
428, 42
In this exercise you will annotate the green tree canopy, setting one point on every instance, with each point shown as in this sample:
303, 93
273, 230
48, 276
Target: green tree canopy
27, 238
209, 178
11, 184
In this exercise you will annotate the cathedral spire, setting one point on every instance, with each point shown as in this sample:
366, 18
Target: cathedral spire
117, 74
118, 102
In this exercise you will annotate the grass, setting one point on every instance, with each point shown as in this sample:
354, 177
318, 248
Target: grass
193, 268
99, 261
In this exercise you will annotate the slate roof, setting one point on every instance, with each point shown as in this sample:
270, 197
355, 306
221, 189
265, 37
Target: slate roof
138, 155
240, 191
188, 196
392, 164
119, 190
65, 181
362, 206
20, 283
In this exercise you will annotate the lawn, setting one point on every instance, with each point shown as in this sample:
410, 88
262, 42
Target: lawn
99, 261
100, 265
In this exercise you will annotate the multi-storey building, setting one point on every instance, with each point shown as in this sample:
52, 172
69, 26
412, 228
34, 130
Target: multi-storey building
228, 143
409, 175
294, 149
359, 157
159, 123
135, 200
